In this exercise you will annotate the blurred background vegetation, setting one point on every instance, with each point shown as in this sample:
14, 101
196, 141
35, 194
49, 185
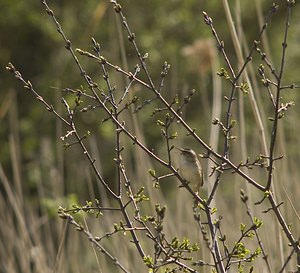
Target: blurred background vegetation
40, 174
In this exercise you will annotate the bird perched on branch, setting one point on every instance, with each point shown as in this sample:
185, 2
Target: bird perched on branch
190, 168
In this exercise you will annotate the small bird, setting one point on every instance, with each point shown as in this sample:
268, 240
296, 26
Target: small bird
190, 168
